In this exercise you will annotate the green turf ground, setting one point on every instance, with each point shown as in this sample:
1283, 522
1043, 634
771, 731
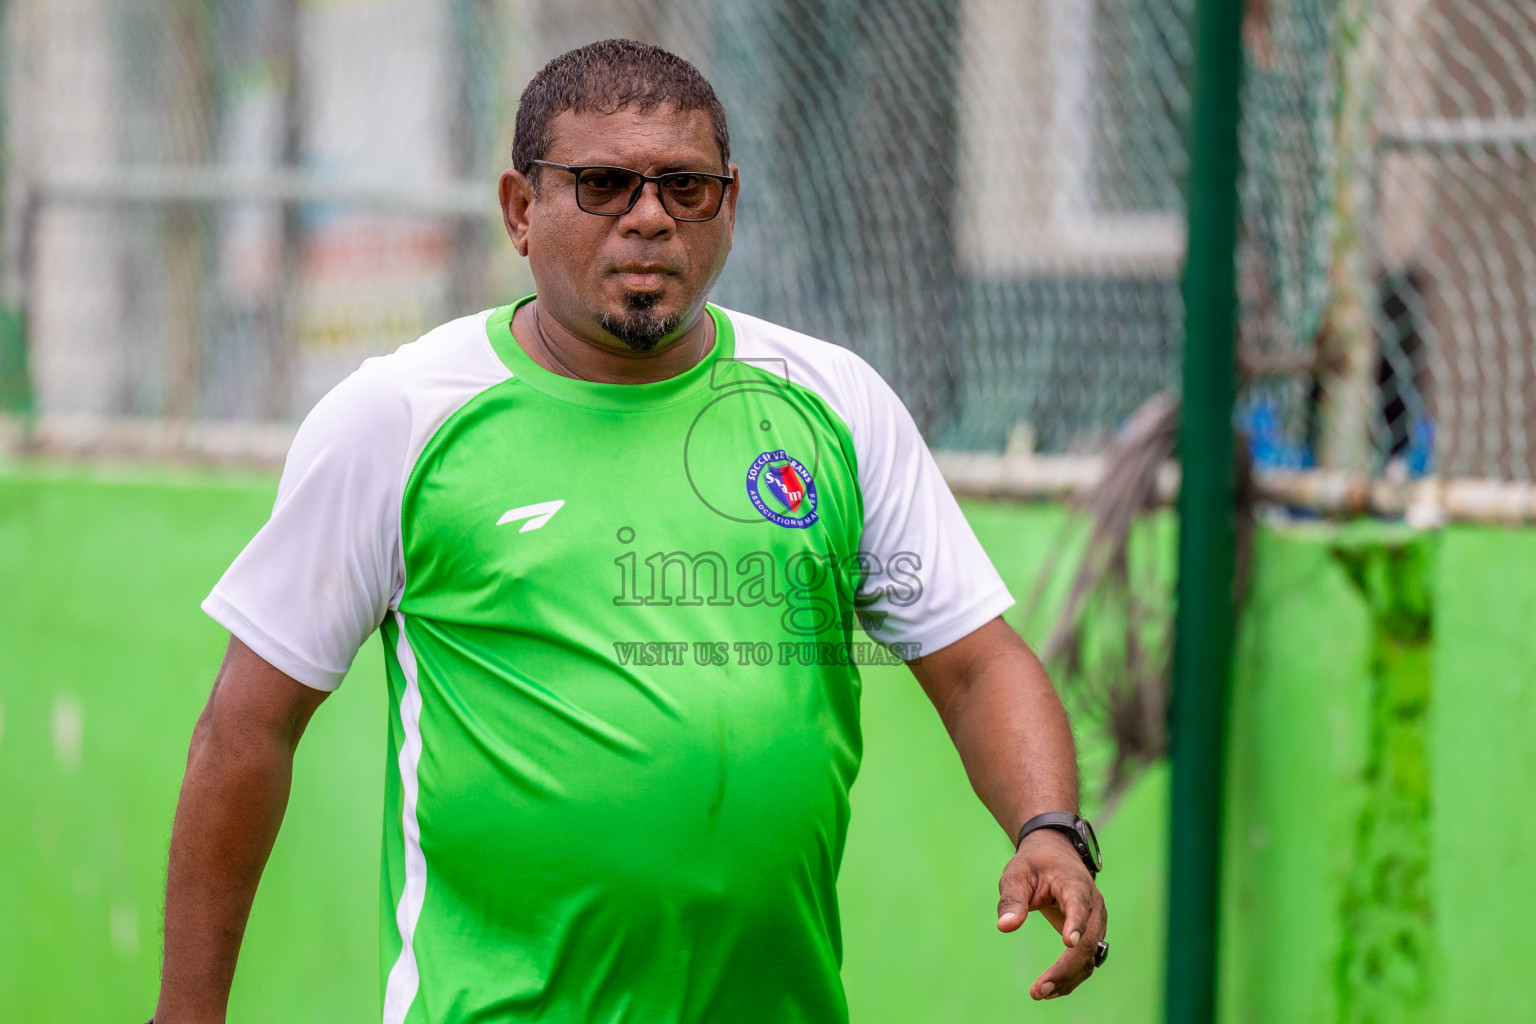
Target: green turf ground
107, 660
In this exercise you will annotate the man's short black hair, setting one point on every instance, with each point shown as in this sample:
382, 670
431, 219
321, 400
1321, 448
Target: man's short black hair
604, 78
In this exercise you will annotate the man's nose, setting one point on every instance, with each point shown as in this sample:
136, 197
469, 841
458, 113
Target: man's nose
648, 216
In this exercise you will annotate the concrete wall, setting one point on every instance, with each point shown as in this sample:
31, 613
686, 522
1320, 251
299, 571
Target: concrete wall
1381, 861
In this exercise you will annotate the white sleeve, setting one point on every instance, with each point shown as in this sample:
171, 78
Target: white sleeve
928, 581
317, 580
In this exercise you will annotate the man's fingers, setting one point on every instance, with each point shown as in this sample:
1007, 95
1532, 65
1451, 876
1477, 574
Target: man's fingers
1070, 970
1077, 911
1076, 902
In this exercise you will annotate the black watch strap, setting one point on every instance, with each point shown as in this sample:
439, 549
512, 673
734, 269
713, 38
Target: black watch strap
1076, 829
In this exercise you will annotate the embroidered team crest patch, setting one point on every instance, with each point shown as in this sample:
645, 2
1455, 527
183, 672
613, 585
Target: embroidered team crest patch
782, 490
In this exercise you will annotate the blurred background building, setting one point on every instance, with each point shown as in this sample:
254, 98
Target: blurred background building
216, 209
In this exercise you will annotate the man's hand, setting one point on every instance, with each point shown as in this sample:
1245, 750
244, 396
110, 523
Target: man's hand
1013, 737
1047, 875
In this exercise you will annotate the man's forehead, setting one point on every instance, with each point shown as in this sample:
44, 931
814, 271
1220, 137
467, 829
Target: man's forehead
629, 137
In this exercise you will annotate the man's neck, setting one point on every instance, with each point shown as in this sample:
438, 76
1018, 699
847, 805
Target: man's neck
562, 351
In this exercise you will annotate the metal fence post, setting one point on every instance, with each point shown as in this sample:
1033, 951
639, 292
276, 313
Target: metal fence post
17, 211
1204, 632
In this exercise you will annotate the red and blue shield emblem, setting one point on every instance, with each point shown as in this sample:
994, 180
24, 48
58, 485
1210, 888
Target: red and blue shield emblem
782, 490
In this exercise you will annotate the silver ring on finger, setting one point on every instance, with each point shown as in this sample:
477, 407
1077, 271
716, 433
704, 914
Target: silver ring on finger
1101, 954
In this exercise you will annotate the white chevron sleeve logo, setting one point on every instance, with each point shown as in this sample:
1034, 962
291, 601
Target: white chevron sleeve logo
537, 515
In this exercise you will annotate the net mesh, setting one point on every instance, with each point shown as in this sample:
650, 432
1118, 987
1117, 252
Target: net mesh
1387, 252
216, 209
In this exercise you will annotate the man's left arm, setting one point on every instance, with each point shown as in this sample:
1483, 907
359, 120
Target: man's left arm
1013, 737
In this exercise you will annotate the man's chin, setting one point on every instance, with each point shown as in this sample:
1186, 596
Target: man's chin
642, 329
636, 300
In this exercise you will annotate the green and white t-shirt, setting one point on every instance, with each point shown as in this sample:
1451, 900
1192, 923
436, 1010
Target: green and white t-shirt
620, 625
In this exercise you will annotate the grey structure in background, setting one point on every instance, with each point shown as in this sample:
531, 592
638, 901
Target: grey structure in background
216, 210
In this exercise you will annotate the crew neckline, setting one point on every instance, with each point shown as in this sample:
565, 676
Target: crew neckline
598, 394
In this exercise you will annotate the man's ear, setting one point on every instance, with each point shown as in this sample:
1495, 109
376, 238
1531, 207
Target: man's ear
732, 192
516, 194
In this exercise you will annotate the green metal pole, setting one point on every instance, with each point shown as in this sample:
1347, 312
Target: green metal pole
16, 210
1202, 663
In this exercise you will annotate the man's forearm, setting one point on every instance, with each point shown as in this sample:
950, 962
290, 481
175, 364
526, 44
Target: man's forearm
1014, 738
1016, 743
232, 802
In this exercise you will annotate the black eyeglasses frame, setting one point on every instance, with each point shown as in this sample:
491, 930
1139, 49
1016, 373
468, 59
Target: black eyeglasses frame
576, 170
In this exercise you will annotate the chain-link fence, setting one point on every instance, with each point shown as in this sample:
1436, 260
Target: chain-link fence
215, 209
1389, 248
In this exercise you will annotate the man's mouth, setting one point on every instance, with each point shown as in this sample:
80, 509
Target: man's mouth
642, 277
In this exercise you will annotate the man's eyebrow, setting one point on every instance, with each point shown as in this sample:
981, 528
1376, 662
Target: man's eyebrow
665, 167
686, 165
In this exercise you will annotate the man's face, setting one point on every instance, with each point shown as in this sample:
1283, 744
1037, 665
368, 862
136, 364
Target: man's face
641, 278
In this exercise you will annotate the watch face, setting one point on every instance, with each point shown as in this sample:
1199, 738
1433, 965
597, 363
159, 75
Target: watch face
1086, 831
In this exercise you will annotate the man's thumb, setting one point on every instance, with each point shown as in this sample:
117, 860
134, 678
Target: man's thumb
1011, 911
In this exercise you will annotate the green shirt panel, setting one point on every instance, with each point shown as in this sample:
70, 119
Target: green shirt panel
624, 814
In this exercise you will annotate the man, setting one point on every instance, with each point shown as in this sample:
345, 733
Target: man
615, 539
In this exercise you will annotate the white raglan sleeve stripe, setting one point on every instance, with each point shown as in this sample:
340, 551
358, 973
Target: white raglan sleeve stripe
404, 975
932, 582
315, 581
318, 578
938, 585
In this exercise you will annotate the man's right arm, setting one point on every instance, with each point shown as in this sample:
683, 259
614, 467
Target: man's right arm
232, 800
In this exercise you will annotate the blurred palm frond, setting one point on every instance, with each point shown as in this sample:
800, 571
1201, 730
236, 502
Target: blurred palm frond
1111, 641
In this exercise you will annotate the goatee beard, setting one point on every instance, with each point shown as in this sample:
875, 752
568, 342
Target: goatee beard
639, 327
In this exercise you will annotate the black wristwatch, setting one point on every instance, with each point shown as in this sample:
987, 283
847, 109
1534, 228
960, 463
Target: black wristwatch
1076, 829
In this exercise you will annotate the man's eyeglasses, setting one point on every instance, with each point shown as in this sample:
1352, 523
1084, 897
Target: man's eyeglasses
614, 191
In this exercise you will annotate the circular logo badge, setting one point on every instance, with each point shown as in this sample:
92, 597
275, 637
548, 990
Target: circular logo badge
782, 490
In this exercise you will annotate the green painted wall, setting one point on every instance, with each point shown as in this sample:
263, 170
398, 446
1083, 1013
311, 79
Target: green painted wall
1382, 860
1296, 756
1354, 798
1482, 743
106, 666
